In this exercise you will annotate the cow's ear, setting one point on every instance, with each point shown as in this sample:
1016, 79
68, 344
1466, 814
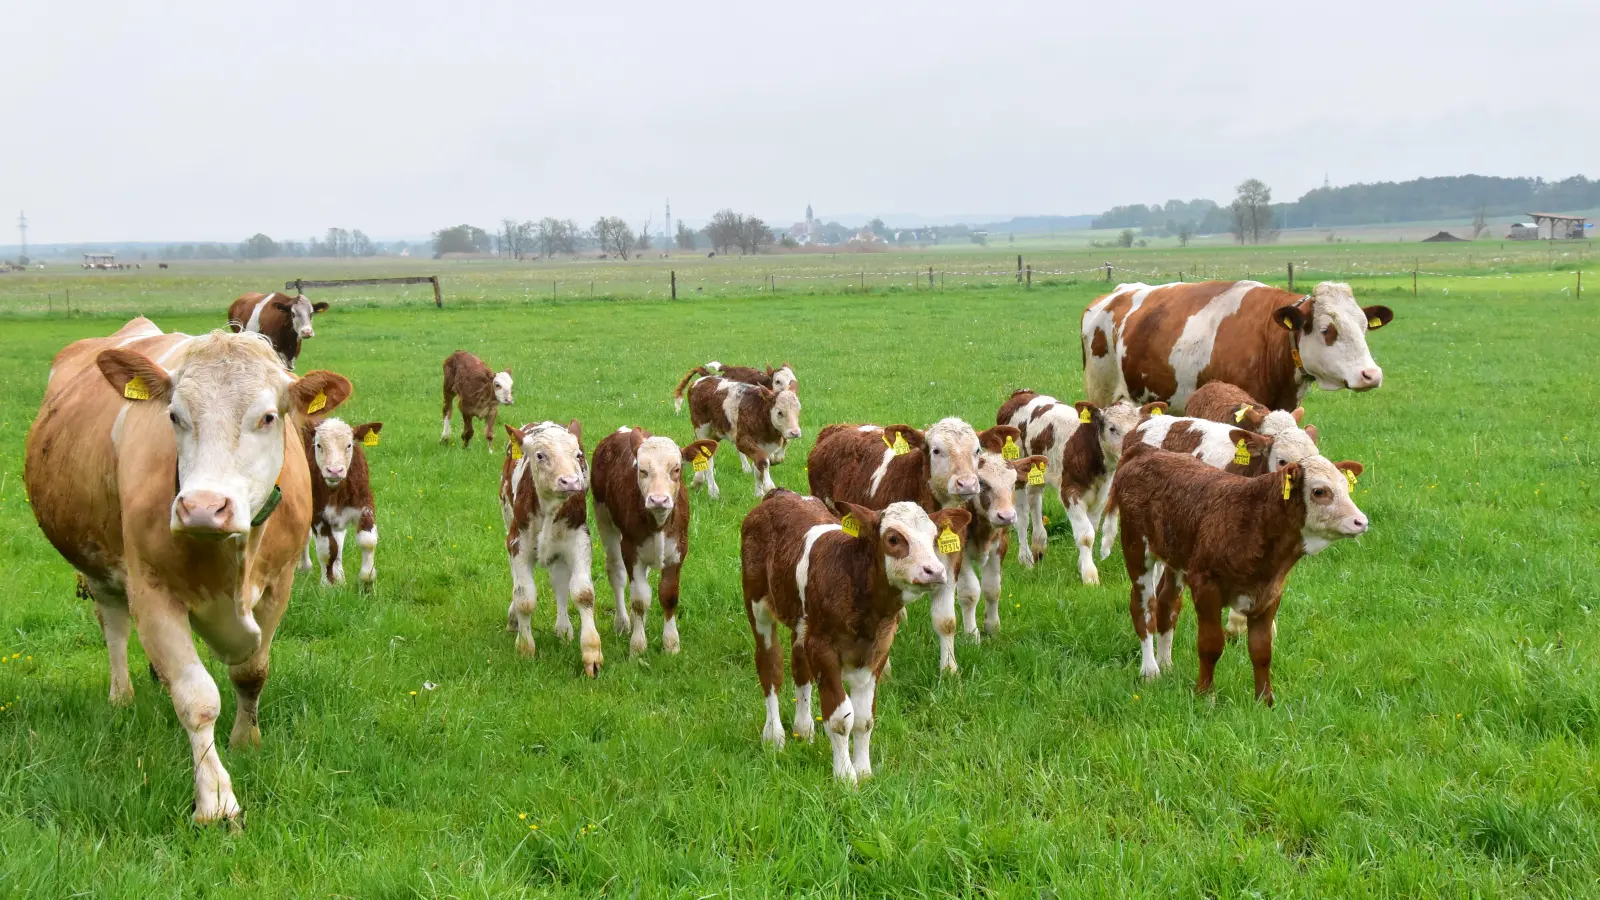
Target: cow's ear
283, 306
506, 370
514, 434
1025, 465
1087, 412
134, 376
319, 392
1289, 477
956, 520
767, 394
858, 521
1311, 432
319, 307
1351, 466
1377, 316
707, 448
1158, 408
1290, 317
576, 428
1299, 414
915, 439
994, 439
361, 431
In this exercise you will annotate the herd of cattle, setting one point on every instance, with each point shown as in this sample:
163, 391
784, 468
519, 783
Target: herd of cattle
184, 477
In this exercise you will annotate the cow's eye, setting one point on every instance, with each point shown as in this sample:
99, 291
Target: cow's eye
937, 452
173, 417
1320, 493
268, 420
894, 540
539, 457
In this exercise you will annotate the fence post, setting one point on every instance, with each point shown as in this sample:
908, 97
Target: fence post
1578, 294
553, 294
863, 281
674, 284
930, 278
438, 298
1413, 283
1030, 276
1108, 273
1291, 276
1019, 268
1180, 276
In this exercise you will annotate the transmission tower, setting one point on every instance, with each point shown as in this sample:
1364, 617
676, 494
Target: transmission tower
668, 226
22, 232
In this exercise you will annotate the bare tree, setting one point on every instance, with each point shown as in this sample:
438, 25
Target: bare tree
1252, 212
614, 236
1480, 222
724, 230
753, 234
514, 238
550, 236
643, 242
685, 237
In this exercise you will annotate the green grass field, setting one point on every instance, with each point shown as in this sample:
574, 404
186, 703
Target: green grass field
1438, 698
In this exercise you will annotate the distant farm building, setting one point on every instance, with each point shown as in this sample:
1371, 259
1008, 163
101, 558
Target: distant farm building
1523, 231
1562, 228
99, 260
1443, 237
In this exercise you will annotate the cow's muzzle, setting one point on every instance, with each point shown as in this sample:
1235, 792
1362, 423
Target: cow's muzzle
206, 514
307, 333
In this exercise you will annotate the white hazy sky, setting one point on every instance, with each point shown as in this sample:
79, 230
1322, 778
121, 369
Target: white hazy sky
208, 121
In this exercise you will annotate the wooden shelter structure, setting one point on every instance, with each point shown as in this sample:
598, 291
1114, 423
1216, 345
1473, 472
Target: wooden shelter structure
99, 260
1562, 228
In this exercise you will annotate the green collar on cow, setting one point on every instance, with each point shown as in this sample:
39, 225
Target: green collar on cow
265, 512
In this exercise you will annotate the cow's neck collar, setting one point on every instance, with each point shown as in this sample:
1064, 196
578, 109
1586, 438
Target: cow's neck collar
1300, 374
262, 514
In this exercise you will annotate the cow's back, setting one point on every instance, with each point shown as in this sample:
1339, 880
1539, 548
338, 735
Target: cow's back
853, 463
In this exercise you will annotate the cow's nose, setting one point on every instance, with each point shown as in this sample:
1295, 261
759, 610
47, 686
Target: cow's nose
794, 434
966, 485
1368, 379
205, 512
1006, 516
571, 484
1358, 525
334, 471
658, 501
307, 333
928, 573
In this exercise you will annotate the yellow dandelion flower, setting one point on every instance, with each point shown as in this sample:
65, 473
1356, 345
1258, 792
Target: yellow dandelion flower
1135, 696
523, 816
534, 827
413, 693
30, 659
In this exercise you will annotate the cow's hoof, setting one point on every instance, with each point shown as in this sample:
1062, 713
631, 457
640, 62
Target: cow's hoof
1090, 575
122, 694
525, 646
591, 667
564, 629
210, 808
1149, 672
805, 731
772, 733
638, 645
248, 737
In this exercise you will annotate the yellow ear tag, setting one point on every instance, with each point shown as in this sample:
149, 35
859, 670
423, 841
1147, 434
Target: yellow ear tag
1350, 477
1010, 452
1036, 474
1241, 454
850, 526
702, 460
318, 403
900, 447
1295, 353
1374, 322
1158, 411
1288, 486
136, 389
1243, 411
1083, 415
949, 541
516, 449
371, 440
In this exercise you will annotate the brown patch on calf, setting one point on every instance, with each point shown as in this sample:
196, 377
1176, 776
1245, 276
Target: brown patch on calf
469, 379
1222, 402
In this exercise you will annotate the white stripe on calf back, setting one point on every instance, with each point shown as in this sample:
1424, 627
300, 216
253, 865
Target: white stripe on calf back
802, 570
255, 314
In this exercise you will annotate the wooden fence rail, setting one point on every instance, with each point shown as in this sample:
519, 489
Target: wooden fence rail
300, 284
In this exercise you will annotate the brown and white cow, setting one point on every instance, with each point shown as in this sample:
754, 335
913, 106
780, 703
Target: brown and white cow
542, 486
1231, 539
1081, 443
779, 379
759, 421
285, 321
168, 470
840, 585
1144, 343
341, 496
873, 466
481, 391
641, 508
994, 512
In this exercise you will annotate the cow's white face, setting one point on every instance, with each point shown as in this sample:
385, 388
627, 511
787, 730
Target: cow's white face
658, 465
783, 380
997, 491
1335, 351
906, 537
502, 388
785, 414
1330, 512
1290, 443
1116, 421
953, 452
555, 459
228, 400
334, 444
301, 311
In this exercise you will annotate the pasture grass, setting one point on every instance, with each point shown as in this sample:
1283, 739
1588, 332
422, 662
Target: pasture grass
1438, 701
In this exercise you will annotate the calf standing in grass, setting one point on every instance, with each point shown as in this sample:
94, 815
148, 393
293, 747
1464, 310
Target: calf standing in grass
994, 512
341, 496
542, 485
1081, 444
760, 422
779, 379
482, 393
839, 586
641, 508
283, 319
1231, 539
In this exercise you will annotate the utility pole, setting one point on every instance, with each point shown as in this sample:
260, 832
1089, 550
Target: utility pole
668, 240
22, 232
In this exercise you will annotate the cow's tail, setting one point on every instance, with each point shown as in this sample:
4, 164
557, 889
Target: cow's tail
677, 395
235, 326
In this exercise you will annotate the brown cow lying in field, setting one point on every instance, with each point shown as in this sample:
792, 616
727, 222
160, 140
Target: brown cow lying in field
641, 508
168, 470
1231, 539
759, 421
341, 496
482, 392
284, 320
839, 585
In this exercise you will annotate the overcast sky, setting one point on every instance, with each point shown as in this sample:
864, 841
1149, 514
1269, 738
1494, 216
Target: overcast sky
204, 121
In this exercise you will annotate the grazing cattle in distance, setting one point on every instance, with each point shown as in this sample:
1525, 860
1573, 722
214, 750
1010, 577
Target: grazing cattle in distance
341, 496
542, 485
168, 470
481, 391
284, 320
759, 421
779, 379
840, 585
1231, 539
873, 466
641, 509
1144, 343
1081, 443
165, 266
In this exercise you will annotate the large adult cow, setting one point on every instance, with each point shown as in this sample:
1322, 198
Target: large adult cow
285, 320
169, 471
1146, 343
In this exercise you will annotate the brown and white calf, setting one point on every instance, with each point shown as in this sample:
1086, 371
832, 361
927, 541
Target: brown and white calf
873, 466
1220, 401
840, 585
1144, 342
169, 471
779, 379
341, 496
641, 508
542, 485
759, 421
481, 392
1081, 443
283, 319
994, 512
1231, 539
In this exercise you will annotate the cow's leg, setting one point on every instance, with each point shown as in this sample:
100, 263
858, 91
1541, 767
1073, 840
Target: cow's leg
488, 427
1083, 537
322, 537
1024, 519
1261, 632
967, 590
1040, 539
639, 605
449, 399
306, 562
991, 593
1108, 534
942, 609
466, 430
367, 537
763, 472
524, 594
838, 713
164, 632
744, 464
864, 702
1169, 603
804, 726
1144, 574
250, 676
1208, 612
769, 663
616, 567
116, 624
334, 573
669, 608
581, 587
711, 479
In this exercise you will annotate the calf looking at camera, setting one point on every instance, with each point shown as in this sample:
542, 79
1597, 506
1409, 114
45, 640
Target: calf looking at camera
341, 496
